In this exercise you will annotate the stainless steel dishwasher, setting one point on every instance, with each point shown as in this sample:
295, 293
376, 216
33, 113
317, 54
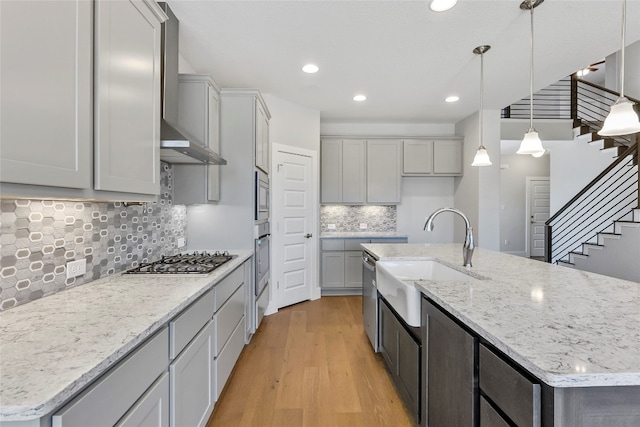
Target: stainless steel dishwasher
370, 298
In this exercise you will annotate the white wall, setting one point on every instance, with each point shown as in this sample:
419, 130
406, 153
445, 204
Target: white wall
515, 169
420, 197
185, 66
573, 165
631, 67
293, 124
477, 192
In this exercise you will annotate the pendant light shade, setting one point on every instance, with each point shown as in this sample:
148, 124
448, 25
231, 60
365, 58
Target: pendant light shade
482, 156
622, 119
531, 143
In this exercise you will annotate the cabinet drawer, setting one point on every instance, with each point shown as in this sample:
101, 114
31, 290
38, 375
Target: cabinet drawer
516, 395
227, 318
184, 327
152, 409
225, 362
354, 244
390, 240
333, 245
109, 398
489, 417
228, 286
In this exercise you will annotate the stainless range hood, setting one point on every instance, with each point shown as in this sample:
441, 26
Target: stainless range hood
176, 145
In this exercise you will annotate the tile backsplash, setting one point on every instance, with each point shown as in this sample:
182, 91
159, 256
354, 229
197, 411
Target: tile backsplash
39, 237
349, 218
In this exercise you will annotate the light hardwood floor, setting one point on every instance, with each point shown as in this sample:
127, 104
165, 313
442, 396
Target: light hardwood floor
310, 365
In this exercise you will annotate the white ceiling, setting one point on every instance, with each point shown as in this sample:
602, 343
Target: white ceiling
403, 56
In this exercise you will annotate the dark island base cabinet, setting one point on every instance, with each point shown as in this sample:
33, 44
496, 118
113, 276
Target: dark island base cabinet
467, 382
449, 385
401, 351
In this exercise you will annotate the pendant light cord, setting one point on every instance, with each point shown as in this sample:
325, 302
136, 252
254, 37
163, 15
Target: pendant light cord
481, 97
531, 4
624, 26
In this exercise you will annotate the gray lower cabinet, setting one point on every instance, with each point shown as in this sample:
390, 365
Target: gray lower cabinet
116, 392
448, 360
191, 396
341, 264
401, 354
152, 410
489, 417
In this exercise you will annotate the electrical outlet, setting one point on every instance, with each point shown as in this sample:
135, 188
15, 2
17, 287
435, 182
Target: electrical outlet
506, 242
363, 226
181, 242
331, 226
76, 268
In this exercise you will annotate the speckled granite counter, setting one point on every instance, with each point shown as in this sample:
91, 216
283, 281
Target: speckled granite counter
567, 327
52, 347
361, 235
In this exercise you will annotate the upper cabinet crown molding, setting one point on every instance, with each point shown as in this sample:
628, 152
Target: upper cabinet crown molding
245, 92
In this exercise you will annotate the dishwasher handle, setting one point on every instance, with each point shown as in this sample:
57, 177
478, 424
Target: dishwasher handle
369, 263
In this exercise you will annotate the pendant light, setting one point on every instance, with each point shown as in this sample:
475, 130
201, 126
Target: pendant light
622, 119
531, 143
482, 156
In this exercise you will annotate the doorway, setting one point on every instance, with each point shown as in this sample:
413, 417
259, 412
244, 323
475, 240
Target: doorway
538, 205
294, 225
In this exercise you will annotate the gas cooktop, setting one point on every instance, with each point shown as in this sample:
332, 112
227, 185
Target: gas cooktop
194, 263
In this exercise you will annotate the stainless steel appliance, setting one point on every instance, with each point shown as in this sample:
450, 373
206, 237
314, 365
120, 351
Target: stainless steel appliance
262, 267
194, 263
262, 196
370, 299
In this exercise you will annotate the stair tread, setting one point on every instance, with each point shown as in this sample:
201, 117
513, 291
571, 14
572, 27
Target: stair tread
594, 244
610, 234
578, 253
565, 262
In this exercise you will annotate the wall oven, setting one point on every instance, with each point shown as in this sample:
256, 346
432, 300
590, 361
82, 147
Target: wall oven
262, 267
262, 196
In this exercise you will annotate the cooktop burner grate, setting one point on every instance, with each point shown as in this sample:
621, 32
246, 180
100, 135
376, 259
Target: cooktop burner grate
194, 263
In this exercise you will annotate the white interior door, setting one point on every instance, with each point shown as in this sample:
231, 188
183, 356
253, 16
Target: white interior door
539, 193
295, 221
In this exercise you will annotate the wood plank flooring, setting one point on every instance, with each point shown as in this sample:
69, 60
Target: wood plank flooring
311, 365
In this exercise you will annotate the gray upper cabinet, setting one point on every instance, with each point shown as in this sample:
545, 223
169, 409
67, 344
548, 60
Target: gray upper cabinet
423, 157
127, 105
343, 171
199, 115
262, 138
384, 171
91, 121
45, 117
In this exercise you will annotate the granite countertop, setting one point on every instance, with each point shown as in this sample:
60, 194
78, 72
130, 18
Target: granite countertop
567, 327
52, 347
361, 235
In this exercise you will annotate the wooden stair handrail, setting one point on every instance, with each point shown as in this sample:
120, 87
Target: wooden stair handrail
594, 181
612, 92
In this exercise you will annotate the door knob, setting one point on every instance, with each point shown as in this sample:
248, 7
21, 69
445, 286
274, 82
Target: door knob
308, 235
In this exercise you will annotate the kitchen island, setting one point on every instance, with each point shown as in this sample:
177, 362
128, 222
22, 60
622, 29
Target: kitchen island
577, 333
54, 347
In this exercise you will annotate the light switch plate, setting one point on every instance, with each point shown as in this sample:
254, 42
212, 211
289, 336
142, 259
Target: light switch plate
76, 268
363, 226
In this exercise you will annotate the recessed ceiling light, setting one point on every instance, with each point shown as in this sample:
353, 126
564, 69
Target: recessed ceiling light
310, 68
452, 98
442, 5
359, 98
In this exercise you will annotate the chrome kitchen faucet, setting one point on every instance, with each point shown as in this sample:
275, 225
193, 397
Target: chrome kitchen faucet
468, 247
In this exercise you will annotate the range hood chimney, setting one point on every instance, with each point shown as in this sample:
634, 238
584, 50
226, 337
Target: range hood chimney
176, 145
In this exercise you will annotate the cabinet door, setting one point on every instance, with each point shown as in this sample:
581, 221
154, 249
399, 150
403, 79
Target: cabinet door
450, 360
353, 269
332, 270
489, 417
127, 88
262, 139
384, 171
331, 171
447, 157
408, 379
417, 157
152, 410
191, 398
354, 173
45, 107
388, 328
213, 171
